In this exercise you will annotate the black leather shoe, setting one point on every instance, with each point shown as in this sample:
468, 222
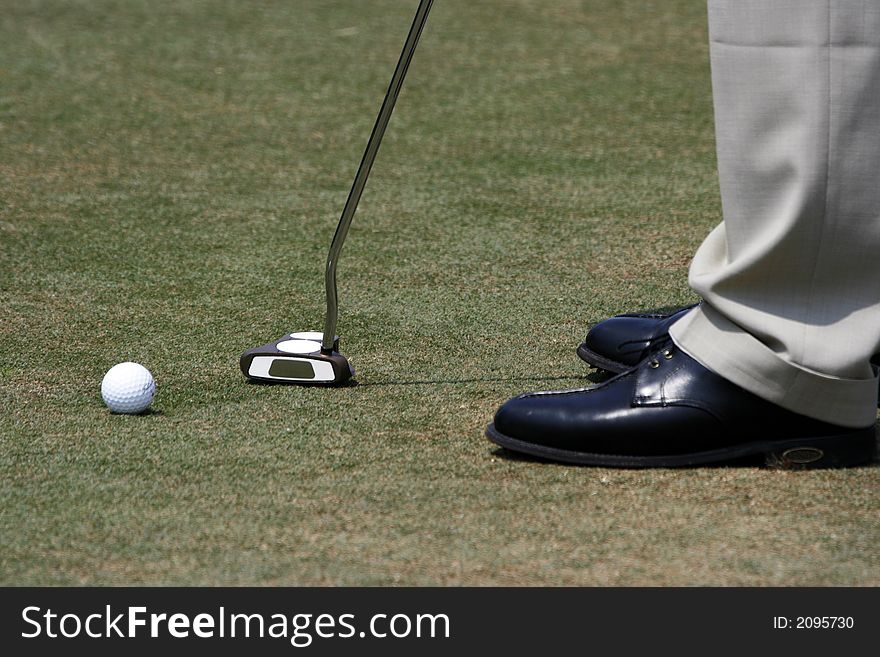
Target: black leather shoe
623, 341
670, 411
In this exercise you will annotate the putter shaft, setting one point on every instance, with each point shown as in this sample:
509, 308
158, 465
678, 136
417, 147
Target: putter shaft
363, 172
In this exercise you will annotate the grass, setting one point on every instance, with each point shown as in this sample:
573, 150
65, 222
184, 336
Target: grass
170, 177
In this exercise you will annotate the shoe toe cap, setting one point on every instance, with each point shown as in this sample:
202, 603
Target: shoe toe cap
516, 416
545, 418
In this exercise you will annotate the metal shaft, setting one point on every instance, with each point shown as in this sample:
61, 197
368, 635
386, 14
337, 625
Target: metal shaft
363, 172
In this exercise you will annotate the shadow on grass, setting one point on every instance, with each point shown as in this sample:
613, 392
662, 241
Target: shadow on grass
350, 383
590, 378
150, 411
594, 377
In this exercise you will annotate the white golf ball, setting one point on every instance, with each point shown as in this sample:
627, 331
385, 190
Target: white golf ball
128, 388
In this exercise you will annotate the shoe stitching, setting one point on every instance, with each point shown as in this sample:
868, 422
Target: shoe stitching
573, 391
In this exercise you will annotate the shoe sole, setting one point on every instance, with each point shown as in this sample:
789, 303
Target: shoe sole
599, 361
838, 451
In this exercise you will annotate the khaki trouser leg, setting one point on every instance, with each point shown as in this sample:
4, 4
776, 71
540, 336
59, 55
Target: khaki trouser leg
791, 279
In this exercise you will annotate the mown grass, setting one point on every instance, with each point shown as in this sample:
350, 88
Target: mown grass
170, 177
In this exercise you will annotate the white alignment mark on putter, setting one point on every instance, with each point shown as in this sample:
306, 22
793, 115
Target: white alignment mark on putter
307, 335
299, 346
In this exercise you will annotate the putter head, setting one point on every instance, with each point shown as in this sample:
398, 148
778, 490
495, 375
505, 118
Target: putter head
296, 358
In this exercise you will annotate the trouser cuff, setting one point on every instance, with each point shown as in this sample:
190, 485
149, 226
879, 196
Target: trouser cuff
720, 345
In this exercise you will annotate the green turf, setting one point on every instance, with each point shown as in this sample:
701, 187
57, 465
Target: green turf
170, 176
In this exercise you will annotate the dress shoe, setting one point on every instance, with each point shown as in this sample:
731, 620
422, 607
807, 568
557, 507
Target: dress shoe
623, 341
670, 411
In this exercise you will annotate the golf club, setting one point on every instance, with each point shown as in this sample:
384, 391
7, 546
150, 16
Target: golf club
311, 357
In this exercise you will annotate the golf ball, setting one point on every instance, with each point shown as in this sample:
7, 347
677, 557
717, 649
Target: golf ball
128, 388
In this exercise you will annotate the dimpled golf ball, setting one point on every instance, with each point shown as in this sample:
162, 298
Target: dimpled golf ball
128, 388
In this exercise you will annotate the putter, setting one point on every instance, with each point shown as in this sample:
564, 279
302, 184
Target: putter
311, 357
